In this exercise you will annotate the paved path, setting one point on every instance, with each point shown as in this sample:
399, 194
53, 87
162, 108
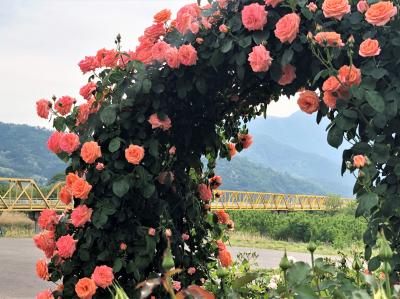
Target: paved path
18, 257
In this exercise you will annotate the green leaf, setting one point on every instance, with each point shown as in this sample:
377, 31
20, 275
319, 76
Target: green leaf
298, 274
245, 42
227, 45
114, 144
242, 281
378, 73
260, 36
305, 292
158, 88
59, 123
201, 85
146, 86
375, 100
335, 136
287, 57
120, 187
148, 190
108, 115
365, 203
117, 265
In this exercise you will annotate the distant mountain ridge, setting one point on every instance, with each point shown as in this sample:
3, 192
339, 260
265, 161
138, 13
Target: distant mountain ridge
23, 153
289, 155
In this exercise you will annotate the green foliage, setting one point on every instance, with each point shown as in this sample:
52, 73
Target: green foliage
339, 229
128, 198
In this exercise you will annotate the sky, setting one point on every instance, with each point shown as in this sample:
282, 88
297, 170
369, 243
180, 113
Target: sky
41, 42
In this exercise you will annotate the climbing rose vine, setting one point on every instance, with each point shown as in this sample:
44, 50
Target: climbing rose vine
135, 142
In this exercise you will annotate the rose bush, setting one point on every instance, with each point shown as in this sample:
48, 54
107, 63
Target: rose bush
134, 145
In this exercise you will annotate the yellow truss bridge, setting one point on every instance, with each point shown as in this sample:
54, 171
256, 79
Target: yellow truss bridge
24, 195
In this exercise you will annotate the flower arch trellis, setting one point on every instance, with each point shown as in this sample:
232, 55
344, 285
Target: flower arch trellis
140, 189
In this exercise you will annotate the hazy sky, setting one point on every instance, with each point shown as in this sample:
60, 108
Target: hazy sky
41, 43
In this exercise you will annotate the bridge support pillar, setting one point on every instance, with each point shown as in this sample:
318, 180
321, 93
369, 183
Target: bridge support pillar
34, 216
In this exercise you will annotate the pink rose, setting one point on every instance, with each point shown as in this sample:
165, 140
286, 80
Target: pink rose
380, 13
155, 122
369, 48
185, 237
312, 7
359, 161
53, 143
329, 99
176, 285
254, 16
168, 233
204, 192
154, 32
288, 75
69, 142
273, 3
335, 8
103, 276
172, 57
187, 55
151, 232
64, 105
191, 270
260, 59
287, 28
99, 166
187, 18
87, 90
223, 28
143, 51
158, 51
90, 151
43, 108
83, 113
45, 242
80, 215
308, 101
246, 140
48, 219
47, 294
362, 6
66, 246
172, 150
89, 63
107, 58
222, 3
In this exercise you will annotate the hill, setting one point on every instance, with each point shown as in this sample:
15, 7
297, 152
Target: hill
288, 155
23, 153
241, 174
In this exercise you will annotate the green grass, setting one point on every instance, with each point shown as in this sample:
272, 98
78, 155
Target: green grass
241, 239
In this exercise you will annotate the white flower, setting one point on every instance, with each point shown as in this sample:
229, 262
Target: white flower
272, 285
275, 278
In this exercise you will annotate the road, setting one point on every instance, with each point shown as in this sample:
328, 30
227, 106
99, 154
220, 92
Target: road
18, 257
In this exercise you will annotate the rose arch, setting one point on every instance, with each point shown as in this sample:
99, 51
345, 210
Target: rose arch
134, 146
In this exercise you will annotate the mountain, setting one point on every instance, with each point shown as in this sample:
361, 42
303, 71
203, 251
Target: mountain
241, 174
288, 155
296, 145
23, 153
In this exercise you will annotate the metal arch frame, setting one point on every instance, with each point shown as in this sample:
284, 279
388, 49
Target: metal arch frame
240, 200
17, 198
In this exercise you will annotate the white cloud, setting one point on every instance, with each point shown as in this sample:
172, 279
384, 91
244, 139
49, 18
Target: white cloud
42, 42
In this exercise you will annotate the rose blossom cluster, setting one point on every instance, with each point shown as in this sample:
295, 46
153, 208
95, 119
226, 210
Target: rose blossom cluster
224, 255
